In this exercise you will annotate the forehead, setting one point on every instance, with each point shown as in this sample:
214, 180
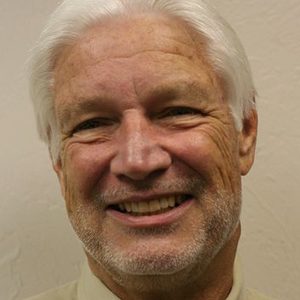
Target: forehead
147, 49
126, 35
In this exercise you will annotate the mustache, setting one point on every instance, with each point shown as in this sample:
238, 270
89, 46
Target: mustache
190, 185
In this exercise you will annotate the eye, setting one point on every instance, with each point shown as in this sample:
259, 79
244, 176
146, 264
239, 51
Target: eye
179, 111
92, 124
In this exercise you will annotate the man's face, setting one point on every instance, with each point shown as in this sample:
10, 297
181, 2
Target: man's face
150, 166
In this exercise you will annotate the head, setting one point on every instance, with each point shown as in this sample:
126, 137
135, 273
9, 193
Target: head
148, 111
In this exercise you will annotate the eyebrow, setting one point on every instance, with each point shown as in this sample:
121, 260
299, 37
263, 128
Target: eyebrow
67, 112
175, 89
167, 91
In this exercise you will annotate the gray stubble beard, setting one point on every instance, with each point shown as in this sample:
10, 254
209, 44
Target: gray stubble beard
174, 268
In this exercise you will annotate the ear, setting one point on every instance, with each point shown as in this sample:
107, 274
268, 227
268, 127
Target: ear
247, 141
57, 167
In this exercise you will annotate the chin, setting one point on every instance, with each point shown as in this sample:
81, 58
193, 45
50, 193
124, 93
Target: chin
159, 258
163, 266
156, 269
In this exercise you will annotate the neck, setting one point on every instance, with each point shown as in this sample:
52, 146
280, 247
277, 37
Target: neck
214, 283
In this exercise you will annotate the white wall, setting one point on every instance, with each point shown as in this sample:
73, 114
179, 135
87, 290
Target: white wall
38, 249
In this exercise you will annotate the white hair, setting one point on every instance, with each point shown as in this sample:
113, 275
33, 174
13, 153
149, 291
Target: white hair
73, 17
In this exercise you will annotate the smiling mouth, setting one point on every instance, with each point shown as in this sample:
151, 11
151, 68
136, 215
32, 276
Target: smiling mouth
152, 207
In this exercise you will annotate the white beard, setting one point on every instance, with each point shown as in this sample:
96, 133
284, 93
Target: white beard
178, 261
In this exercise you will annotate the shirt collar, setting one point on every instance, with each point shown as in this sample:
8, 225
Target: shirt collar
236, 292
91, 288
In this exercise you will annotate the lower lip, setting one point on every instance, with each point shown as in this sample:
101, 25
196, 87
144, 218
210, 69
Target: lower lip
166, 218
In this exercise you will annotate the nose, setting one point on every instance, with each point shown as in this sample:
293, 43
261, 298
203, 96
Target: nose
139, 153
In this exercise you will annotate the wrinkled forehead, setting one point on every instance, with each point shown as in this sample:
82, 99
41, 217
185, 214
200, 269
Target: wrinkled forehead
134, 57
126, 36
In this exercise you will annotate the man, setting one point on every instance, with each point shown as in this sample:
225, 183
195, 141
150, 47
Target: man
149, 113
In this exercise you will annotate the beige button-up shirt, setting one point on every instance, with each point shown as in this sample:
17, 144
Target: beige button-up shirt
89, 287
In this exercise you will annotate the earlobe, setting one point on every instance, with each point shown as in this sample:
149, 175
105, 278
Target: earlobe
247, 142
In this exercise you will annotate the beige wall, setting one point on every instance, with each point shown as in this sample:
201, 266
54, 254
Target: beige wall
37, 247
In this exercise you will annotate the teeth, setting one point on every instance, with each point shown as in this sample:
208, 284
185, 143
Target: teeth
127, 207
143, 207
151, 206
171, 201
164, 203
135, 207
154, 205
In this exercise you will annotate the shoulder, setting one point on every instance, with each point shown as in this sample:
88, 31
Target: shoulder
254, 295
65, 292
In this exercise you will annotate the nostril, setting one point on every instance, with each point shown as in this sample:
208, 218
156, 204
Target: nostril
143, 180
156, 174
150, 163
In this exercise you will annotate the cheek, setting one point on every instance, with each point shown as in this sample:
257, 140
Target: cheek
84, 166
194, 149
210, 154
